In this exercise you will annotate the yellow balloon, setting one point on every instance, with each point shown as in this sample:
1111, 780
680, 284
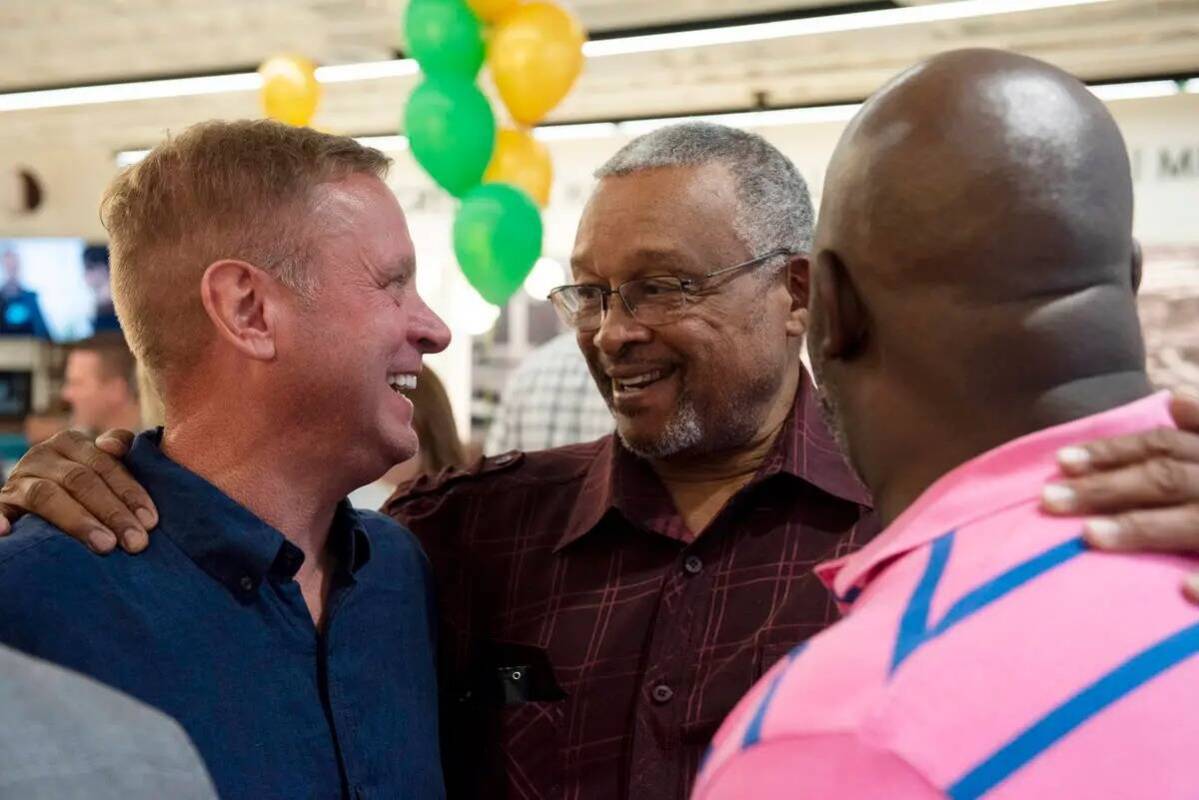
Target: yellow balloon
491, 10
536, 53
522, 161
290, 92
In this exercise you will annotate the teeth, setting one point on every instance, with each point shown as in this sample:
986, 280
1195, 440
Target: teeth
638, 381
401, 382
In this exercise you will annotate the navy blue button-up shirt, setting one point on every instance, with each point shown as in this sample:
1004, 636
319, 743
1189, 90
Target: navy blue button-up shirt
209, 626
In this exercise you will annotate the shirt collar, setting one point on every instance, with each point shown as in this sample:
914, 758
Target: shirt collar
619, 481
225, 539
1008, 475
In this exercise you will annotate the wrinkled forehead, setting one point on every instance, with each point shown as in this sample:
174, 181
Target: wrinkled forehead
681, 217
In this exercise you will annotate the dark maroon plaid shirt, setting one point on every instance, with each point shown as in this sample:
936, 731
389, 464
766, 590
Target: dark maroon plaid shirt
590, 644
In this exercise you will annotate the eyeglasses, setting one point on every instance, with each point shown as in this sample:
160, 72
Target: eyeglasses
651, 301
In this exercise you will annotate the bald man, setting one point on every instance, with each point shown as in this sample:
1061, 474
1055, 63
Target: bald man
974, 277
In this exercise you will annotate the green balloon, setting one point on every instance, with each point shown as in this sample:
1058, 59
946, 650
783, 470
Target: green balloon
444, 37
497, 238
451, 131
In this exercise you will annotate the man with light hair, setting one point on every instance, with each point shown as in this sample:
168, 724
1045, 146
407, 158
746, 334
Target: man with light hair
264, 275
604, 605
100, 384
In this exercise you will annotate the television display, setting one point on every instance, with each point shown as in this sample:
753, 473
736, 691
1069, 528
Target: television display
54, 288
15, 396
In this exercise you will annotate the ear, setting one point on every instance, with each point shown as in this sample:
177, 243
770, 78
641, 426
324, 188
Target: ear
798, 276
238, 299
1138, 267
843, 333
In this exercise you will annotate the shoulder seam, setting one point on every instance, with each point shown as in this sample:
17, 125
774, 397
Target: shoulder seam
50, 539
466, 481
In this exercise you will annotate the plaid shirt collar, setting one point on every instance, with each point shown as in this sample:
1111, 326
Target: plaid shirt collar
620, 482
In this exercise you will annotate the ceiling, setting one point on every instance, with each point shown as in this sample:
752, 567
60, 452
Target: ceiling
66, 42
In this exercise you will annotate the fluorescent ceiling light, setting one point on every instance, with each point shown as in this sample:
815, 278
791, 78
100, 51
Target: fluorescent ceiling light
750, 119
384, 143
1132, 91
809, 26
142, 90
367, 70
584, 130
1191, 86
191, 87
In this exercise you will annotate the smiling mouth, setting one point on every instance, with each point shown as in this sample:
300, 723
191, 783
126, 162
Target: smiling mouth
401, 383
636, 383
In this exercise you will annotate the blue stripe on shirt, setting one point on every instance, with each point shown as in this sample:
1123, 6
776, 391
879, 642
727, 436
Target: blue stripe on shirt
914, 631
753, 734
1057, 724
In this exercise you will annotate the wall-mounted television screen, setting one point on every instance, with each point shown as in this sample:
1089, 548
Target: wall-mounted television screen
54, 288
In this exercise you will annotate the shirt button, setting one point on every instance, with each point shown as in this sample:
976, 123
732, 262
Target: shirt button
694, 565
247, 583
662, 693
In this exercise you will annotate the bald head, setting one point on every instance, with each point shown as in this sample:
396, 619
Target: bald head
974, 251
988, 170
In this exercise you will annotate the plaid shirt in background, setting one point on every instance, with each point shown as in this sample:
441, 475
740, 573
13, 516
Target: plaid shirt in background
590, 643
549, 401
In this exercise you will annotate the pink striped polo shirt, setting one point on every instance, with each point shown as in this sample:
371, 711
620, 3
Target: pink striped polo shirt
986, 653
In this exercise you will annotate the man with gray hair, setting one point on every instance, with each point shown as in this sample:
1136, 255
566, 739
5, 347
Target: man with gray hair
592, 642
604, 605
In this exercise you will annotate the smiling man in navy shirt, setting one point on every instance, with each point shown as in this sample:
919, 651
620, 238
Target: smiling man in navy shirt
264, 276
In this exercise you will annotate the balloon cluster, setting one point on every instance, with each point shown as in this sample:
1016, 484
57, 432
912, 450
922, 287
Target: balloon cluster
535, 52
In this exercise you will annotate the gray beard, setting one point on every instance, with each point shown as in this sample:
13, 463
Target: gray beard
685, 432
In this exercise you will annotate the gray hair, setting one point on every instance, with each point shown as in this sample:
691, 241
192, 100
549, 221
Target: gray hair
775, 209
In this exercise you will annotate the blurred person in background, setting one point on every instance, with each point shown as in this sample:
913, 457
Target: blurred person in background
20, 311
96, 276
440, 446
67, 737
550, 400
100, 385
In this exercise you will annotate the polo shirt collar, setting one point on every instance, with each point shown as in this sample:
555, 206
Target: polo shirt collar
620, 482
1009, 475
225, 539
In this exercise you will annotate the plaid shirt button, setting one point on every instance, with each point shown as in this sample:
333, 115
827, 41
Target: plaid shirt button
694, 565
662, 693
